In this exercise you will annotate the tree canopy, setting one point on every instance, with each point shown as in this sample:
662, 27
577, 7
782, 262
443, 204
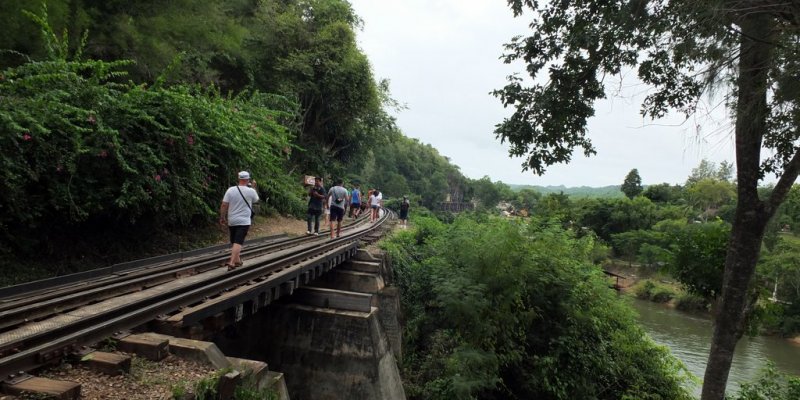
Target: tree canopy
632, 186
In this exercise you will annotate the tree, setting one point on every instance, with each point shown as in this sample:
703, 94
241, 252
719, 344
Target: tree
501, 309
526, 199
486, 192
632, 186
710, 194
725, 171
303, 49
747, 49
698, 257
663, 193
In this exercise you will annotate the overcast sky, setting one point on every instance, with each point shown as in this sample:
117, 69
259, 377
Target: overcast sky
442, 59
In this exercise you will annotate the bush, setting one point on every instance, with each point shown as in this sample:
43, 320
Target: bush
506, 309
662, 294
770, 385
644, 289
691, 302
650, 290
83, 151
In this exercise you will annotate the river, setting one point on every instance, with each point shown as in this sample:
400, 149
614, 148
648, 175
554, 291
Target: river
688, 336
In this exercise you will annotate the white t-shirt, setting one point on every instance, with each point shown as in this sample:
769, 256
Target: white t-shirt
375, 200
238, 211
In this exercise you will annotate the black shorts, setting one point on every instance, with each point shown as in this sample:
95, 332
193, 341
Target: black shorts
337, 214
313, 211
238, 233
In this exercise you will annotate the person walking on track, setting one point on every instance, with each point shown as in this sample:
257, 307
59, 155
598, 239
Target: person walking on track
404, 206
375, 203
338, 198
355, 201
236, 211
316, 197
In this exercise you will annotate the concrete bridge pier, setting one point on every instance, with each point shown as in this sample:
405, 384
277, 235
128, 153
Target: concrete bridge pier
336, 339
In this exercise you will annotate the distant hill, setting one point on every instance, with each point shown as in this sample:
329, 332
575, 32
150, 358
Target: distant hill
582, 191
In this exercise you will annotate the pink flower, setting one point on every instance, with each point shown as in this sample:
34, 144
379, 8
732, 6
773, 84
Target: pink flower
59, 168
91, 119
27, 137
103, 154
158, 178
190, 139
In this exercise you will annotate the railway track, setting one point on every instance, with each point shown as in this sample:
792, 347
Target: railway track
58, 318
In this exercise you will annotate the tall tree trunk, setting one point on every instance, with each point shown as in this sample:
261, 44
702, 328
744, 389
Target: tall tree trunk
751, 216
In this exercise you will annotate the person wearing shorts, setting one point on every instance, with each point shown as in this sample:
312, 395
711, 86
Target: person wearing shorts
375, 203
338, 198
355, 201
236, 211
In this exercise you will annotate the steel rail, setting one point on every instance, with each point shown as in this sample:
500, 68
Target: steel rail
35, 288
39, 306
41, 347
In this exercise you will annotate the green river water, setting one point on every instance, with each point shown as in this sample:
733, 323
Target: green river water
688, 336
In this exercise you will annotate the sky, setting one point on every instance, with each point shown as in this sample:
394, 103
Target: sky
442, 58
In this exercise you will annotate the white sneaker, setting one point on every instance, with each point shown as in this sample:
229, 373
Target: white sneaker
316, 233
308, 232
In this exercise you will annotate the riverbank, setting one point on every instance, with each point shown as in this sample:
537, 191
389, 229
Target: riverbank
648, 285
688, 336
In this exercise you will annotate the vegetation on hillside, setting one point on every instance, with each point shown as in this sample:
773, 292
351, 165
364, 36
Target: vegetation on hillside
516, 309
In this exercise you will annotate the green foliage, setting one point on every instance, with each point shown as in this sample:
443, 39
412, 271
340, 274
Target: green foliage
779, 269
303, 50
80, 149
504, 309
632, 186
663, 193
691, 302
488, 193
248, 389
770, 385
179, 390
653, 291
206, 388
526, 199
709, 170
699, 257
404, 166
710, 194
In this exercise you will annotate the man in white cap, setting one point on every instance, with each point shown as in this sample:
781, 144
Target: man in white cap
236, 212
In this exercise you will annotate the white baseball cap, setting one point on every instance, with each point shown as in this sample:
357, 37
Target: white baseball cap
244, 175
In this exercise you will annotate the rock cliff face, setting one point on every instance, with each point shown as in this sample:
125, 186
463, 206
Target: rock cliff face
337, 340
